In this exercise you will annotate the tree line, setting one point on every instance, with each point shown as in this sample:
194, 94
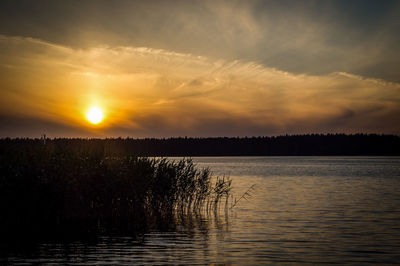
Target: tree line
287, 145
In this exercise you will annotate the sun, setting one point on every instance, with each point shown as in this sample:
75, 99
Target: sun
94, 115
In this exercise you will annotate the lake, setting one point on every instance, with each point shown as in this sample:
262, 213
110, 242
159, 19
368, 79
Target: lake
309, 210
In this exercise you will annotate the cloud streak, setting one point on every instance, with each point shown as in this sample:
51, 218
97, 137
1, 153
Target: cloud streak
153, 92
309, 37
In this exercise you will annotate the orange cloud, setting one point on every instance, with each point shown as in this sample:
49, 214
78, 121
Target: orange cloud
153, 92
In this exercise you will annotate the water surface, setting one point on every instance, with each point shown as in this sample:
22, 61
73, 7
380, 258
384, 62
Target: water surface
310, 210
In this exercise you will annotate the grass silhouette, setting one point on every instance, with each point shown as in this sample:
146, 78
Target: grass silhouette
60, 189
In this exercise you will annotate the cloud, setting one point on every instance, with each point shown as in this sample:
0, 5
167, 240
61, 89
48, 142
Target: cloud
15, 126
154, 92
304, 37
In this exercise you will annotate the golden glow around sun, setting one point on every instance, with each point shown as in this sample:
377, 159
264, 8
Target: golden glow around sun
94, 115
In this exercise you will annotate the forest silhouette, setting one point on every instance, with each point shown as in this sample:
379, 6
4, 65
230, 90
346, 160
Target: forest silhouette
287, 145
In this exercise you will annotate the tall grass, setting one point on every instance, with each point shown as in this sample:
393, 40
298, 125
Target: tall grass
58, 189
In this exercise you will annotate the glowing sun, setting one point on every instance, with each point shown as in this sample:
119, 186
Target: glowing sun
94, 115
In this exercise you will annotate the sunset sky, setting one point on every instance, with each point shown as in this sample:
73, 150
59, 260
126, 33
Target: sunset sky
199, 68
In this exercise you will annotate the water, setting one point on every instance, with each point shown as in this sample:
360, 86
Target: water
309, 210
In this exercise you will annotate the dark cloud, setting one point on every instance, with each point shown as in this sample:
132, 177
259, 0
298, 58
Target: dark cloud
315, 37
17, 126
158, 126
370, 120
195, 83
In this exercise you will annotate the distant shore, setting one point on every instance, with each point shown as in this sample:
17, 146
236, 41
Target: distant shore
288, 145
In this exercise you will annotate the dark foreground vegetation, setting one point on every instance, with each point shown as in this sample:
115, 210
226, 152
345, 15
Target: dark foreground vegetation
62, 188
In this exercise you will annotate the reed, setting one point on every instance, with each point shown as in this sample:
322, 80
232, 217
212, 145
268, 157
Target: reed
59, 189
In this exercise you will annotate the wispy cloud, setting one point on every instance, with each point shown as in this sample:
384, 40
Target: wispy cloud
154, 92
303, 36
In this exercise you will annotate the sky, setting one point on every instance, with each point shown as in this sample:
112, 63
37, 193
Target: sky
199, 68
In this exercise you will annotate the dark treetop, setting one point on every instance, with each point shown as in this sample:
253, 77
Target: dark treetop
294, 145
